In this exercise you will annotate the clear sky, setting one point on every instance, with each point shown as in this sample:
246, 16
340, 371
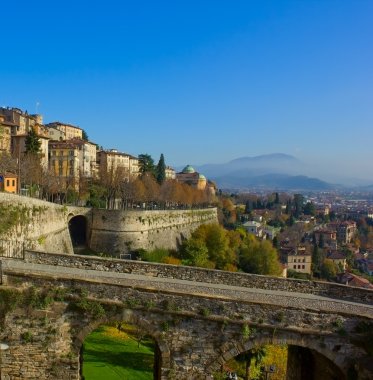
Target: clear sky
200, 81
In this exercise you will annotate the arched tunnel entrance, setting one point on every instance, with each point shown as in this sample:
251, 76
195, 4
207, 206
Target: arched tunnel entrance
78, 231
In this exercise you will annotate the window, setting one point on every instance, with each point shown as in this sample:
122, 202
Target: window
8, 182
13, 182
295, 267
302, 266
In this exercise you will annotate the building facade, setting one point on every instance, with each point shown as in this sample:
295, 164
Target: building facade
110, 161
69, 131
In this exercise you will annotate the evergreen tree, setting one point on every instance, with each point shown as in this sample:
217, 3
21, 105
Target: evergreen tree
146, 164
84, 135
277, 199
161, 170
32, 142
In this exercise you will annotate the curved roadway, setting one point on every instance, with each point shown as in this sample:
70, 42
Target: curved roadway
233, 293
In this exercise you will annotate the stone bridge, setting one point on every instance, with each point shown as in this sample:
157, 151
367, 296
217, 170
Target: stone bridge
198, 318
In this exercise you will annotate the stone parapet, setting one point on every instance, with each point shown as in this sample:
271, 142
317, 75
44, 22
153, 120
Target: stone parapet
326, 289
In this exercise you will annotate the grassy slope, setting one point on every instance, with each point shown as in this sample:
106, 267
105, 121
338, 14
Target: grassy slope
112, 355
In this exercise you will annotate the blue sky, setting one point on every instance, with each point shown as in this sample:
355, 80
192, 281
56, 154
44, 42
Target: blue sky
200, 81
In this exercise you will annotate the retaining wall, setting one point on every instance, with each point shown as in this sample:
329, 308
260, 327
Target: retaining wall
119, 231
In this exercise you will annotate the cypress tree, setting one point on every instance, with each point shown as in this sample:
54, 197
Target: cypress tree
161, 170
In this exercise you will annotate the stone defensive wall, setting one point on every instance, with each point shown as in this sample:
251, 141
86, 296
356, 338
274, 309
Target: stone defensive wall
34, 224
119, 231
44, 226
332, 290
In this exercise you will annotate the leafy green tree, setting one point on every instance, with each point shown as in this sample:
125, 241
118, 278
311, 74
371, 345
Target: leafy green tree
259, 257
146, 164
195, 253
161, 170
32, 142
328, 269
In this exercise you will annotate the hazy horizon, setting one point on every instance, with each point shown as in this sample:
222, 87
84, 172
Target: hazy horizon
201, 82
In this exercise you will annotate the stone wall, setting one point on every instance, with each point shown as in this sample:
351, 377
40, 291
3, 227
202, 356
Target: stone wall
37, 224
203, 275
43, 226
118, 231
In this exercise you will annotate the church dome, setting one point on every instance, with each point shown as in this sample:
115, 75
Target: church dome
188, 169
202, 177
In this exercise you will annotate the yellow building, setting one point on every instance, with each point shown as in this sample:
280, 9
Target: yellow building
9, 183
111, 160
64, 162
300, 261
69, 131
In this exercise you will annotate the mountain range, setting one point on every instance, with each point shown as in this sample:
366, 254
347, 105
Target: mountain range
272, 171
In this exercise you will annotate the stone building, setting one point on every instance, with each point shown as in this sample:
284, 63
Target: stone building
5, 135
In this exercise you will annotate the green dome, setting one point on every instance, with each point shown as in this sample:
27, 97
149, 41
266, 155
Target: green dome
188, 169
201, 176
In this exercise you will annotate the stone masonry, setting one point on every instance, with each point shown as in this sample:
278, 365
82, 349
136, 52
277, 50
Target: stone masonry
197, 326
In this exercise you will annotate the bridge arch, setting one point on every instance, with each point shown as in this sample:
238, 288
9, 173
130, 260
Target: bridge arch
78, 228
161, 353
326, 349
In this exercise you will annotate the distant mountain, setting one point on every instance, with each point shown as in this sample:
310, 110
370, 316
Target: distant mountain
272, 171
273, 181
258, 165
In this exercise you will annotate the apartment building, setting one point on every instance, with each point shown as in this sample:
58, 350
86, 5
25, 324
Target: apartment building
69, 131
64, 161
75, 157
111, 160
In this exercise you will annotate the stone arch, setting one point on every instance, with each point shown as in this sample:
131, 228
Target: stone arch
162, 351
78, 228
340, 360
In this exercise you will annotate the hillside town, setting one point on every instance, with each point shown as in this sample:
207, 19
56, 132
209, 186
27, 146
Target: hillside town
65, 153
323, 235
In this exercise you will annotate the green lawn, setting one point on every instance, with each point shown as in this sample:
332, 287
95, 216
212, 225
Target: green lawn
113, 355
